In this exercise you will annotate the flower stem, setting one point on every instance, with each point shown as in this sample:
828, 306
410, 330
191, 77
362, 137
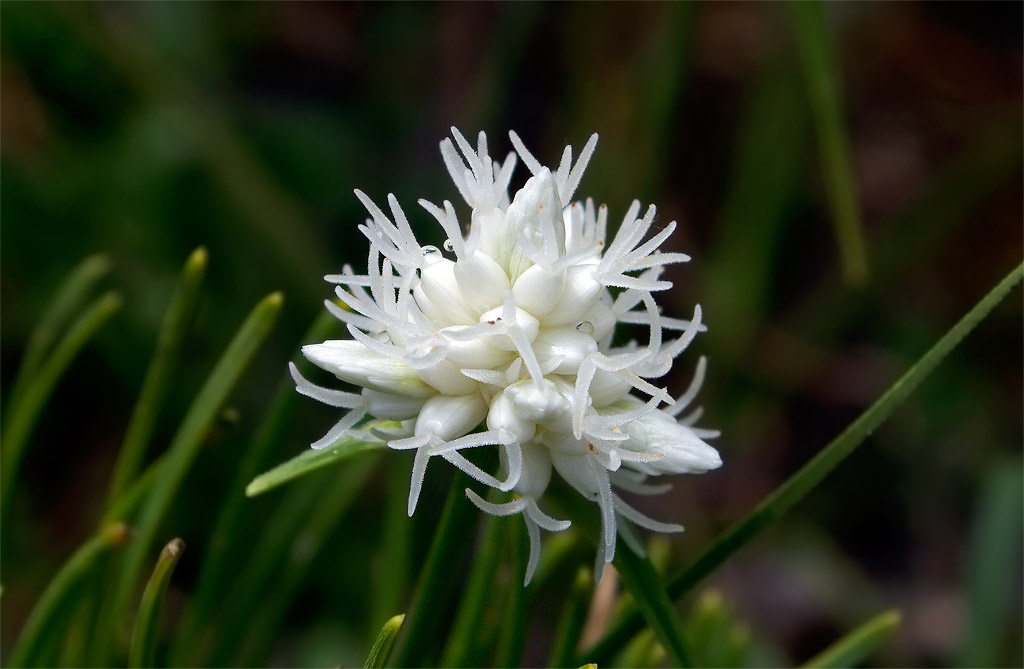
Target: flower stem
416, 642
385, 643
854, 648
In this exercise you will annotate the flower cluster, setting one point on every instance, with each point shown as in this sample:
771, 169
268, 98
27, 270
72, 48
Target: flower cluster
505, 339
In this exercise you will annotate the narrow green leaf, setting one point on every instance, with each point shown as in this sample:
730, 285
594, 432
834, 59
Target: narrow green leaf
65, 303
570, 626
183, 450
821, 73
811, 474
22, 418
159, 375
47, 617
856, 646
993, 561
310, 461
144, 636
384, 644
435, 586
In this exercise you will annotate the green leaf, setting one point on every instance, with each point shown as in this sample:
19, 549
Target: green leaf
310, 461
143, 648
384, 644
822, 77
159, 375
856, 646
23, 416
574, 614
776, 505
182, 452
46, 620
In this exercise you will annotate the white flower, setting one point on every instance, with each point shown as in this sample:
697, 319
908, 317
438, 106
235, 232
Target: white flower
504, 339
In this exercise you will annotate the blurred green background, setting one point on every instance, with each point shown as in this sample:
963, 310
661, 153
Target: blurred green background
146, 130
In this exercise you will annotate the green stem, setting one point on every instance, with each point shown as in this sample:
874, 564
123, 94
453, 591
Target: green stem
435, 587
158, 376
570, 627
384, 644
22, 417
182, 452
855, 647
512, 630
143, 648
822, 77
776, 505
46, 618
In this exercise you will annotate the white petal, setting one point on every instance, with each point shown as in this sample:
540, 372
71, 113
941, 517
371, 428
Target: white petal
351, 361
391, 407
481, 281
502, 416
537, 289
449, 417
581, 292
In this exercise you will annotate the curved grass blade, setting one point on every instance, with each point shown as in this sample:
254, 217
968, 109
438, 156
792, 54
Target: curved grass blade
46, 618
143, 648
384, 644
567, 637
183, 450
23, 416
856, 646
67, 300
822, 76
310, 461
811, 474
158, 376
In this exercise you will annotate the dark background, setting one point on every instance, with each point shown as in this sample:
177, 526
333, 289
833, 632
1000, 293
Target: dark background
145, 130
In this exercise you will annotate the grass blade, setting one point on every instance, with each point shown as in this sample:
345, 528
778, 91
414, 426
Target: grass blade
184, 448
143, 648
23, 416
384, 644
310, 461
822, 78
158, 376
567, 637
811, 474
856, 646
67, 300
46, 618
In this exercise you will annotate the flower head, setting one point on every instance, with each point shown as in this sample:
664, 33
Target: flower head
503, 340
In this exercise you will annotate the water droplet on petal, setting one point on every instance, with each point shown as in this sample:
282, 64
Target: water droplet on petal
586, 327
430, 250
449, 245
